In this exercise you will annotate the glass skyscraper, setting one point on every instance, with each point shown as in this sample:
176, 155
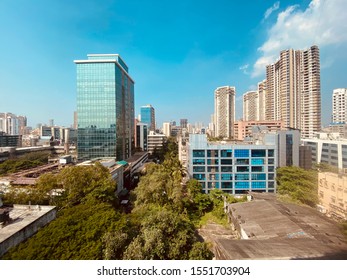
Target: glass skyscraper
148, 116
105, 108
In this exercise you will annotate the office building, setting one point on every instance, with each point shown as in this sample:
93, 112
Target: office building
293, 92
10, 140
339, 110
328, 148
232, 167
238, 167
148, 116
333, 128
155, 142
141, 136
224, 110
105, 108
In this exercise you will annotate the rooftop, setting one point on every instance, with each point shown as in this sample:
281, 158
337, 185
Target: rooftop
277, 230
22, 216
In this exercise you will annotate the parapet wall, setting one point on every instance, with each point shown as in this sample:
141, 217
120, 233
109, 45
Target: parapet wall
26, 221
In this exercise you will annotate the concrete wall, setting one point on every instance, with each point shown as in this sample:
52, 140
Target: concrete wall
27, 231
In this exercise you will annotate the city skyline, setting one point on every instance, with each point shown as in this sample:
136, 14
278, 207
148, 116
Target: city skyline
176, 64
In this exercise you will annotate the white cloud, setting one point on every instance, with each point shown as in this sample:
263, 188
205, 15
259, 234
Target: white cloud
322, 23
270, 10
244, 68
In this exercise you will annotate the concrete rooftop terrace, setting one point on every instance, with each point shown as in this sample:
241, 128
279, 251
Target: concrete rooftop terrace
275, 230
22, 216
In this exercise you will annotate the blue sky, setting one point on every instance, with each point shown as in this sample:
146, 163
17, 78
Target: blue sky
178, 52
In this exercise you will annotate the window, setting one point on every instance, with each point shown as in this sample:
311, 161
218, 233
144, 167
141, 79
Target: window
212, 161
226, 153
226, 177
198, 161
243, 161
271, 168
226, 161
198, 168
199, 176
257, 168
270, 153
258, 153
212, 153
198, 153
259, 176
242, 169
258, 185
226, 168
271, 161
241, 176
213, 177
257, 161
241, 153
271, 176
227, 185
212, 169
241, 185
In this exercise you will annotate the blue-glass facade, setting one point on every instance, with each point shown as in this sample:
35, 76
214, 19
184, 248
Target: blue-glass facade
105, 108
148, 116
232, 168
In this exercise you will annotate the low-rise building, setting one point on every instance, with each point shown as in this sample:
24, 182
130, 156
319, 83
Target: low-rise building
243, 129
155, 141
238, 167
328, 148
332, 192
19, 222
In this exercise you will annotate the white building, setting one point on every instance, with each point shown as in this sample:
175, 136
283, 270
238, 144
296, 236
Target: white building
339, 110
167, 129
224, 110
328, 148
9, 123
293, 91
155, 141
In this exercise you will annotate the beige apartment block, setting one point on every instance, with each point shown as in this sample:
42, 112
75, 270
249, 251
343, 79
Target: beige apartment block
224, 110
332, 193
293, 91
244, 129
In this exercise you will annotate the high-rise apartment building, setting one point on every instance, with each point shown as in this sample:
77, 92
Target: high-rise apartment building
167, 129
9, 123
339, 110
148, 116
254, 103
224, 110
183, 123
141, 135
105, 108
251, 106
293, 90
261, 99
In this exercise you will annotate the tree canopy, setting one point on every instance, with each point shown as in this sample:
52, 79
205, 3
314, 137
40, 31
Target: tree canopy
298, 184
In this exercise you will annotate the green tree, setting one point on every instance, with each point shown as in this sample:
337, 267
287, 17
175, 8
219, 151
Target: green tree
75, 234
297, 184
164, 235
87, 214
